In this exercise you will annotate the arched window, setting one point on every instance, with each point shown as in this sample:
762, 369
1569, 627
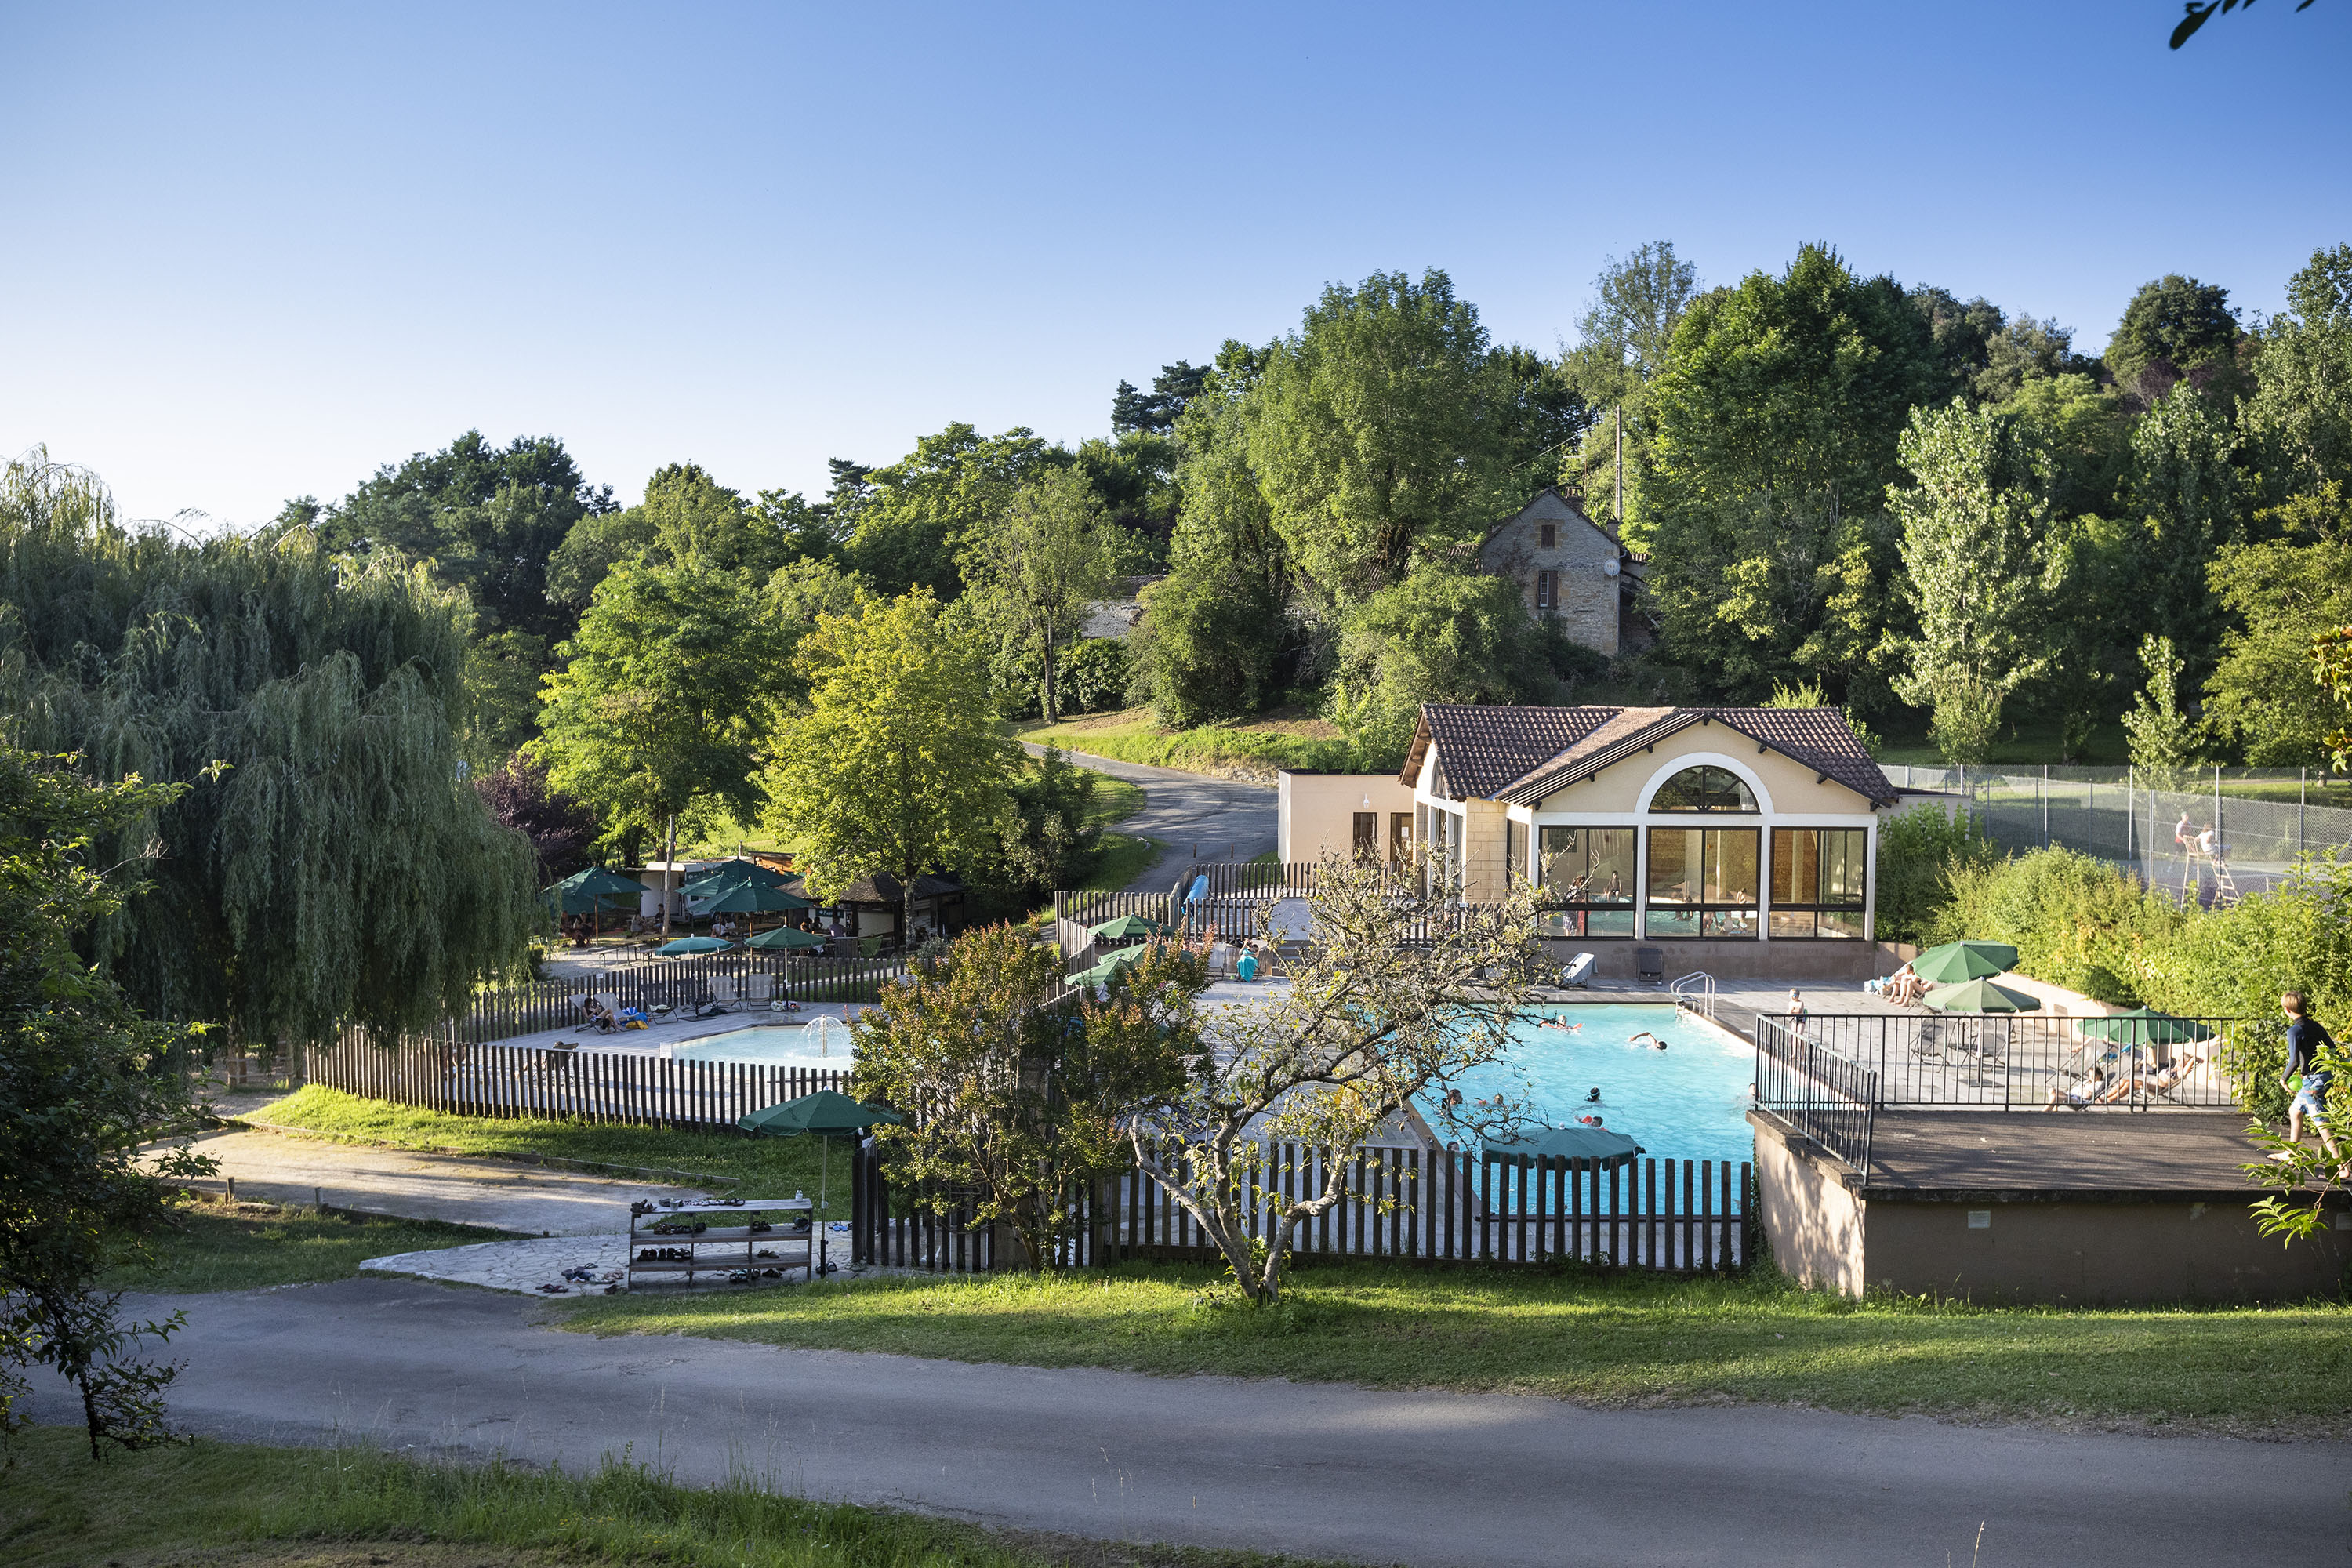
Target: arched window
1704, 788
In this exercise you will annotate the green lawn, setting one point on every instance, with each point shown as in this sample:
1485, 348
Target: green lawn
1124, 857
226, 1505
1257, 749
1116, 800
767, 1167
1621, 1338
220, 1245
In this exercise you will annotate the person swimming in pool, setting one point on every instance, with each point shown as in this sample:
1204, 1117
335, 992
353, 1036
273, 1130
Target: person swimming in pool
1590, 1121
1656, 1043
1592, 1094
1561, 1023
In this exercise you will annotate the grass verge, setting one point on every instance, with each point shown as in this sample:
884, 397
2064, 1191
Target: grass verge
239, 1506
1124, 857
223, 1246
1255, 751
1621, 1339
767, 1167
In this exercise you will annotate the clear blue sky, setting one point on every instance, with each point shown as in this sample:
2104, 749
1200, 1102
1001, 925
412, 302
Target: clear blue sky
258, 251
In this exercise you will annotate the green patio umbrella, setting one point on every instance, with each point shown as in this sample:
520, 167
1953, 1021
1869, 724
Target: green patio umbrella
2143, 1027
786, 937
827, 1114
1107, 968
686, 945
1127, 928
751, 898
1957, 961
1571, 1142
727, 871
1981, 997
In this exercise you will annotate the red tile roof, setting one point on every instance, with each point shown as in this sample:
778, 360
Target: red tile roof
1525, 754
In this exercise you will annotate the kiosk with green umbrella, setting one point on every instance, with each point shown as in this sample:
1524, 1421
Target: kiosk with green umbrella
788, 939
588, 893
749, 899
827, 1114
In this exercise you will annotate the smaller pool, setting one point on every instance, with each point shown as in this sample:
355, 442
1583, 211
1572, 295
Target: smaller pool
822, 1045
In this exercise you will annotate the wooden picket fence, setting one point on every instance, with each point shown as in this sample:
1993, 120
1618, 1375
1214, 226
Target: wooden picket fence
462, 1078
1410, 1205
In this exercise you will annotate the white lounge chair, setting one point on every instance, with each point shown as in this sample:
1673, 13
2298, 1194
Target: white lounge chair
722, 992
1578, 971
757, 990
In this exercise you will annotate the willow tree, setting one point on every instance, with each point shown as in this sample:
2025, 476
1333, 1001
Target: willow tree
328, 865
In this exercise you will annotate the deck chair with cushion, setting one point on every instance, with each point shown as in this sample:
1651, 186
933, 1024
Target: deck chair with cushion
1578, 971
722, 992
755, 990
1649, 964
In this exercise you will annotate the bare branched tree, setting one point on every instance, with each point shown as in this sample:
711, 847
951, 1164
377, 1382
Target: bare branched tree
1399, 990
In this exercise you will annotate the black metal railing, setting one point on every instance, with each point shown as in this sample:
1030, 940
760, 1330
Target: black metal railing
2030, 1062
1831, 1099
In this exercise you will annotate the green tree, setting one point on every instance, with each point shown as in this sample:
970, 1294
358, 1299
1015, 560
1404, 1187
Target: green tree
1157, 411
2279, 592
1374, 433
2026, 351
1783, 397
2166, 742
1015, 1104
2300, 414
898, 766
2185, 488
915, 519
1623, 339
489, 518
796, 597
286, 904
1439, 636
689, 519
79, 1100
1961, 334
664, 699
1040, 568
2174, 327
1976, 537
1213, 627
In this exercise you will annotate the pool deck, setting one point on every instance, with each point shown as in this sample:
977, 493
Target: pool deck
649, 1040
2094, 1156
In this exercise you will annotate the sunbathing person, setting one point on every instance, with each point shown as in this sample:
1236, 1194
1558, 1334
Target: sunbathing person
2089, 1090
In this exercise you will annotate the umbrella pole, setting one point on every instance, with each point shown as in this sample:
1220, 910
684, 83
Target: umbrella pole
824, 1174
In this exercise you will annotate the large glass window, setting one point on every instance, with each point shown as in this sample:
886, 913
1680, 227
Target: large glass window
1818, 882
1703, 788
1703, 882
1586, 878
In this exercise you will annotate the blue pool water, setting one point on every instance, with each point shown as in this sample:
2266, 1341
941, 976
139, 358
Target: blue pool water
822, 1045
1688, 1101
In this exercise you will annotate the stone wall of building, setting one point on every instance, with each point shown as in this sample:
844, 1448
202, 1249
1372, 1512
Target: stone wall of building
1584, 591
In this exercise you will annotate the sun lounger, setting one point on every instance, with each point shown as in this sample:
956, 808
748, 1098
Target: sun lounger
1578, 972
1649, 964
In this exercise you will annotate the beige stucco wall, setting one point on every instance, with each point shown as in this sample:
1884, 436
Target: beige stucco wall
1315, 812
1813, 1222
1485, 864
1789, 783
1584, 593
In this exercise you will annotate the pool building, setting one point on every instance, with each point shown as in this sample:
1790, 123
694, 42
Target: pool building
1737, 840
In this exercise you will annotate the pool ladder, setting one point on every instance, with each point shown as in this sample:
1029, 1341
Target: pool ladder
1694, 992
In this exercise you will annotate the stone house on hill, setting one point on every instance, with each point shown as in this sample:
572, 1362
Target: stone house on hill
1568, 568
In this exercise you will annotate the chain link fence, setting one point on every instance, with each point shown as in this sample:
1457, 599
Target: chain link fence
2210, 837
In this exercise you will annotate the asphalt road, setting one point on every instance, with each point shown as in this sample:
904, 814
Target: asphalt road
1316, 1471
1216, 819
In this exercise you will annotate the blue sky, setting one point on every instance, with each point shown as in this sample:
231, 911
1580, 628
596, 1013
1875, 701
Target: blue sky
260, 250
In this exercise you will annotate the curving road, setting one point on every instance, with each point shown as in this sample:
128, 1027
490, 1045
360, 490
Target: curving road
1319, 1470
1195, 816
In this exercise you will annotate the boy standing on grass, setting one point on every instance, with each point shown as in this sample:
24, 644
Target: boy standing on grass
2304, 1036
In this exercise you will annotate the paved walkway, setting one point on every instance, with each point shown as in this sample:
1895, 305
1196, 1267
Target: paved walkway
500, 1194
1196, 817
1314, 1469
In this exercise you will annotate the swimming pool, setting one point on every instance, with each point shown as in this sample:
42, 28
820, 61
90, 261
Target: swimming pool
1688, 1101
822, 1045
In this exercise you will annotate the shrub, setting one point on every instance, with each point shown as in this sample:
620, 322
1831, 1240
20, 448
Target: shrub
1917, 853
2074, 921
